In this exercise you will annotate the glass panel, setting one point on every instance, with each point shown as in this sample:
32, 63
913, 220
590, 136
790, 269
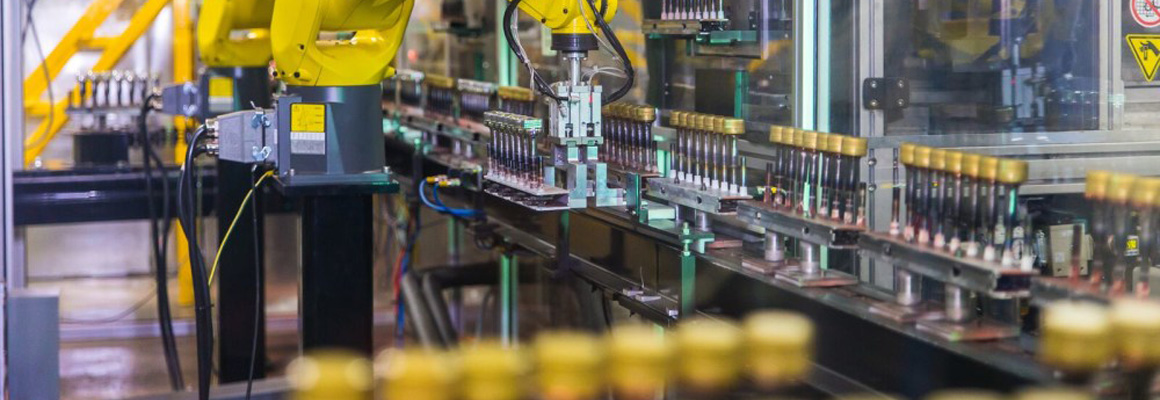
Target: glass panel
994, 66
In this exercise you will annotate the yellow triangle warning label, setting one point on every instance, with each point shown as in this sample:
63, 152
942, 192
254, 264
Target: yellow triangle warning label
1146, 50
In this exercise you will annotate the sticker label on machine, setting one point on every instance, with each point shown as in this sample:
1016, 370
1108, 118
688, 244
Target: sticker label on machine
1146, 50
308, 128
1146, 12
221, 94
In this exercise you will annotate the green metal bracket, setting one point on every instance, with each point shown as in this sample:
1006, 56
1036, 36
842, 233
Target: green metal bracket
509, 298
688, 272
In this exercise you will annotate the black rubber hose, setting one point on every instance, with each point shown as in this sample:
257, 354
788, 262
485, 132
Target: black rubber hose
201, 297
537, 81
160, 249
629, 72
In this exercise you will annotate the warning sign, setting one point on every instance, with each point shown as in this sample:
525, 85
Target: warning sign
1146, 51
1146, 12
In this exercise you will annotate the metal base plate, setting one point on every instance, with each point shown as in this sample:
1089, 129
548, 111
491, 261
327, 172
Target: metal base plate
762, 266
822, 278
981, 329
532, 201
906, 314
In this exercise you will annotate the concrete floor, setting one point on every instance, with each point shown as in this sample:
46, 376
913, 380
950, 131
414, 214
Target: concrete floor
110, 346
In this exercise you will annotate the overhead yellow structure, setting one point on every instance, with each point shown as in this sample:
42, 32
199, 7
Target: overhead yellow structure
313, 45
80, 37
234, 33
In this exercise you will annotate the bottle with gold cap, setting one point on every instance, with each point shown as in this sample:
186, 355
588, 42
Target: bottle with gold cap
772, 170
1012, 174
1136, 329
969, 213
938, 165
733, 128
1146, 198
647, 116
1076, 339
922, 194
905, 157
417, 373
1096, 193
677, 148
808, 177
492, 372
778, 348
787, 188
988, 172
639, 358
330, 374
1119, 193
569, 366
952, 200
853, 150
709, 354
831, 175
716, 152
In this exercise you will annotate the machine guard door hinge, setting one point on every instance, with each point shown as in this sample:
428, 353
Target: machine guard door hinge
885, 93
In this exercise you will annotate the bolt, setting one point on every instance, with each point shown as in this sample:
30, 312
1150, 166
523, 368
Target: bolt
873, 103
901, 102
901, 84
873, 84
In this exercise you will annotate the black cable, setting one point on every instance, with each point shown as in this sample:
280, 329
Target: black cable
629, 71
201, 297
537, 81
160, 258
257, 280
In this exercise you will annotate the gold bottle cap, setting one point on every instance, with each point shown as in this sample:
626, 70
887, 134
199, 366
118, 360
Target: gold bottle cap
1076, 336
718, 123
778, 347
1146, 192
964, 394
639, 359
516, 93
708, 354
416, 373
702, 122
439, 81
734, 126
988, 168
646, 114
331, 374
792, 137
492, 372
906, 153
1056, 393
569, 365
1120, 188
1136, 327
1012, 172
1096, 185
971, 163
954, 162
836, 143
938, 159
853, 146
809, 140
823, 142
922, 156
676, 119
775, 134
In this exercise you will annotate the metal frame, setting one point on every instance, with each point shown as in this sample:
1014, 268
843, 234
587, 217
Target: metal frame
11, 106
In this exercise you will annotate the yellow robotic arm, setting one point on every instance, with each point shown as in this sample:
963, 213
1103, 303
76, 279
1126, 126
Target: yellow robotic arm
235, 33
563, 17
303, 58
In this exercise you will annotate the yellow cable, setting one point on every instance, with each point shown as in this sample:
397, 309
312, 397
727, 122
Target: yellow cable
241, 207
